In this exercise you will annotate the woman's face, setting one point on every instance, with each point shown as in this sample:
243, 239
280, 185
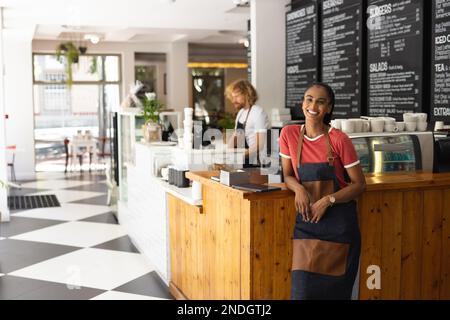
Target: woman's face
238, 100
316, 104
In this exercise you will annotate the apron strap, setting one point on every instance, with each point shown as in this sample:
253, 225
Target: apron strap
300, 145
245, 122
330, 158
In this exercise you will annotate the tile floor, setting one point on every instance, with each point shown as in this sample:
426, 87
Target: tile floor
77, 251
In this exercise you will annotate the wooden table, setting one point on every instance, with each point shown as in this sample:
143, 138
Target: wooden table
238, 244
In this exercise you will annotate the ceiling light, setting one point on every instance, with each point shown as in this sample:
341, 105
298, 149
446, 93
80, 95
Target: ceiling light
240, 2
245, 42
92, 37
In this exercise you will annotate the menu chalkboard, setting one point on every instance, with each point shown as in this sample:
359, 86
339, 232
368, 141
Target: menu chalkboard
440, 92
301, 53
395, 57
341, 54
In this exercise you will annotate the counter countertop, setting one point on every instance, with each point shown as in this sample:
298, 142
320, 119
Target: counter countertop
205, 150
375, 182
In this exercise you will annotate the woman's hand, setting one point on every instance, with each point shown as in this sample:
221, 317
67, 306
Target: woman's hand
302, 204
319, 209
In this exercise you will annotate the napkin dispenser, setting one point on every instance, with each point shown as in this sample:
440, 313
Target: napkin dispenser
230, 178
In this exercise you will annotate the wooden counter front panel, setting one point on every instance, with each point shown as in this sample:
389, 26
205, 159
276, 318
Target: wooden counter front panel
241, 248
236, 249
407, 235
272, 233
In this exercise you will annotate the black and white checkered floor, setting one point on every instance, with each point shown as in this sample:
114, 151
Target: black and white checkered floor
76, 251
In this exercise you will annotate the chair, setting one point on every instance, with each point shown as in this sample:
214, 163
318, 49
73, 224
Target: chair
11, 164
69, 154
102, 152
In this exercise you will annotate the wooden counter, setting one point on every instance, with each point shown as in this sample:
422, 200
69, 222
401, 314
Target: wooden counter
239, 245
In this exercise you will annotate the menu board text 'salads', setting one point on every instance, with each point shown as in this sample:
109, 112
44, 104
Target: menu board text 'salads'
395, 57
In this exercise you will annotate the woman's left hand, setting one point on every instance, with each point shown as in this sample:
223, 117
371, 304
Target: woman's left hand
319, 209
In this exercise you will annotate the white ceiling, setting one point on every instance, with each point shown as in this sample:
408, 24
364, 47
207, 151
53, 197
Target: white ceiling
212, 21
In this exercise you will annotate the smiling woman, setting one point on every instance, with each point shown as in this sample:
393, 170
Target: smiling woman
321, 166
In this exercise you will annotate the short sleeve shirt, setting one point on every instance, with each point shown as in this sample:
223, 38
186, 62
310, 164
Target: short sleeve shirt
315, 150
258, 121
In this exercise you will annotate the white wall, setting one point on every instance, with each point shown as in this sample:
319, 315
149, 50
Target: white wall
268, 46
178, 77
18, 98
4, 211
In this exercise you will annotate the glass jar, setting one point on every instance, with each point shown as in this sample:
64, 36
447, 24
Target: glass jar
152, 132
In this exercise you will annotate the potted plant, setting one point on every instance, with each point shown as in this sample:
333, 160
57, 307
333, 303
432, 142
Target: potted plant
226, 121
151, 108
67, 53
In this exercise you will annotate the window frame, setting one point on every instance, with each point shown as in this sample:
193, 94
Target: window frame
77, 82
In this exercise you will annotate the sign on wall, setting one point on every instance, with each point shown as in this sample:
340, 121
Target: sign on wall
341, 54
301, 53
440, 92
395, 57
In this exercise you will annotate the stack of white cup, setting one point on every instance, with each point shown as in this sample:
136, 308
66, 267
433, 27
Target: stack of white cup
416, 121
188, 125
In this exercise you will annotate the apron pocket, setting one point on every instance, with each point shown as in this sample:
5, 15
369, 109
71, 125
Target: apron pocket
319, 189
321, 257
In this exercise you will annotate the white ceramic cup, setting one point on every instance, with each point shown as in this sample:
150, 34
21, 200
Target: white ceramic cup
421, 117
439, 125
165, 173
409, 117
337, 124
422, 126
196, 190
388, 121
377, 125
390, 128
411, 126
348, 126
366, 126
400, 126
358, 123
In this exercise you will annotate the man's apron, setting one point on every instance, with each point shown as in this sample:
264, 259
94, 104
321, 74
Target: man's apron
240, 130
326, 254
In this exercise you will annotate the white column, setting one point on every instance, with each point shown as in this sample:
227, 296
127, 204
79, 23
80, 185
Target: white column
177, 76
4, 211
18, 98
268, 46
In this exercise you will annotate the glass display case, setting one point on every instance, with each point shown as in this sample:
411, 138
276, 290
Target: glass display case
389, 153
130, 131
363, 151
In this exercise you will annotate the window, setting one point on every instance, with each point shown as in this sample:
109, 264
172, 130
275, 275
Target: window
60, 111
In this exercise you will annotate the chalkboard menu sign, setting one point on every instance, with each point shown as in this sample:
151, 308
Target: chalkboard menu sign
395, 57
341, 54
440, 92
301, 53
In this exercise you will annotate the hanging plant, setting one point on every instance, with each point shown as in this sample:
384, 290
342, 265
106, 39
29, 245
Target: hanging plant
94, 65
67, 53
